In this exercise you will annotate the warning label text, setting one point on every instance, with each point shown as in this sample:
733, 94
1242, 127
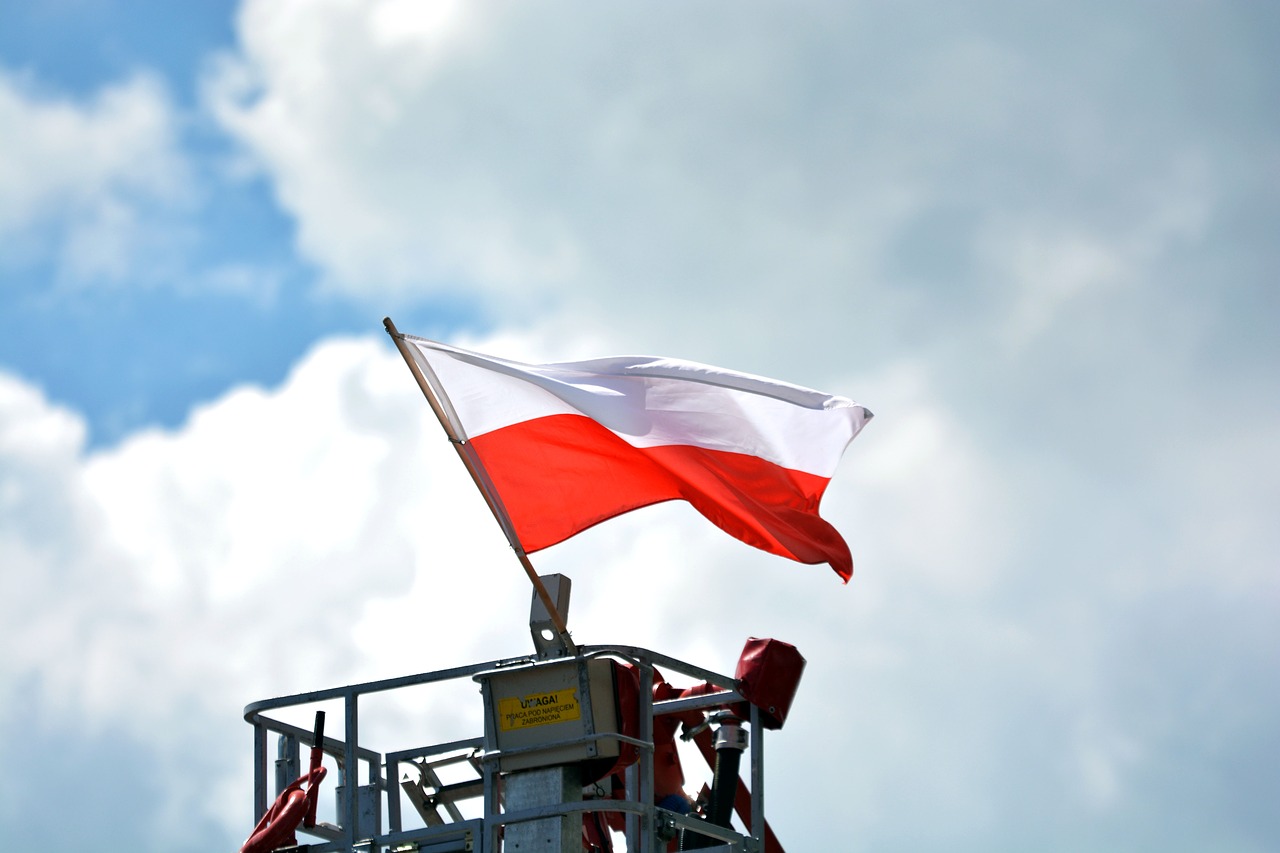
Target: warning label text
537, 709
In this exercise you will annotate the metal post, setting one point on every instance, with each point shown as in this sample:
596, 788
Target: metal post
288, 761
489, 771
393, 795
757, 777
645, 791
259, 771
633, 819
544, 786
351, 772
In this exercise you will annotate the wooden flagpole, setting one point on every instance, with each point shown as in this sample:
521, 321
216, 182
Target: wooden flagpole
481, 478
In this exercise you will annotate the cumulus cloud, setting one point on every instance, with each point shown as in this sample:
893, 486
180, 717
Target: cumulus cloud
1063, 622
679, 175
323, 532
88, 182
311, 535
155, 588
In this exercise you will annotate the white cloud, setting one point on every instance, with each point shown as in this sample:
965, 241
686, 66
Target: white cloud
153, 589
468, 153
313, 535
323, 533
849, 184
1064, 603
87, 180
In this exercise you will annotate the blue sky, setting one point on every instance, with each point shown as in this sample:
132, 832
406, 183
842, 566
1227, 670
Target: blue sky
160, 341
1037, 241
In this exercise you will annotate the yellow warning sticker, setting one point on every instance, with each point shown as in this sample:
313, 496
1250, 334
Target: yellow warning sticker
537, 709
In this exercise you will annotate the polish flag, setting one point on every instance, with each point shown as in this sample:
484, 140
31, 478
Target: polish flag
565, 446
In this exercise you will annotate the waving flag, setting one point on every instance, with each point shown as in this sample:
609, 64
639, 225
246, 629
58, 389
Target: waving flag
561, 447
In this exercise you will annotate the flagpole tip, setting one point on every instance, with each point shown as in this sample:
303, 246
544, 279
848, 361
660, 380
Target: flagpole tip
390, 327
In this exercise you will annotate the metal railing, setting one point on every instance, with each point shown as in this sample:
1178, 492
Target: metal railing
360, 824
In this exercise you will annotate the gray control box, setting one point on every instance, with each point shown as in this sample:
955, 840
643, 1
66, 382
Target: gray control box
535, 709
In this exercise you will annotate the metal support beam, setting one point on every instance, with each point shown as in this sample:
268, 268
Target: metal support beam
545, 786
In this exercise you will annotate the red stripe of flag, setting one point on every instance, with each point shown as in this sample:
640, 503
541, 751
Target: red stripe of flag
561, 474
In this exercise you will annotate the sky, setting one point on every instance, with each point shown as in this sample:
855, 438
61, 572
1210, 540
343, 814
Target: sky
1037, 240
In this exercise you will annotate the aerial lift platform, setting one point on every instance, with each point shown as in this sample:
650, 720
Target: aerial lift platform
576, 740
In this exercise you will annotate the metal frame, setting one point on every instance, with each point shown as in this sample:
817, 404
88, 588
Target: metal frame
482, 834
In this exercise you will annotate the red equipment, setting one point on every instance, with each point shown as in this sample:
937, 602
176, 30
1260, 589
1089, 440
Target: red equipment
294, 806
767, 676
